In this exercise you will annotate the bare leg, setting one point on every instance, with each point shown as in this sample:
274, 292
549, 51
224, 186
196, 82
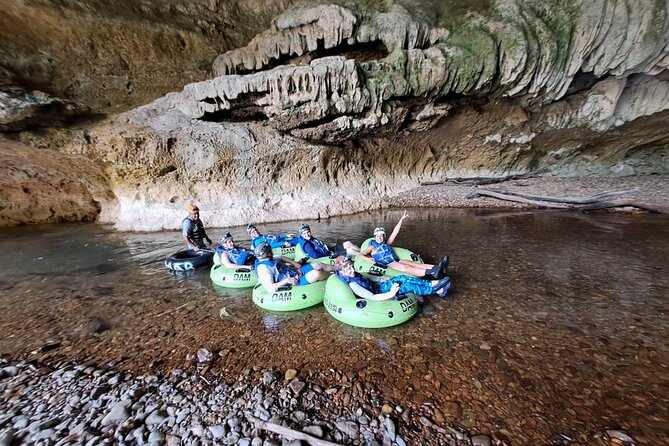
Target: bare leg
419, 265
318, 273
324, 267
410, 268
351, 249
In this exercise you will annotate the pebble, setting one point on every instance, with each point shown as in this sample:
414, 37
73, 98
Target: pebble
389, 425
297, 387
316, 431
349, 428
481, 440
217, 431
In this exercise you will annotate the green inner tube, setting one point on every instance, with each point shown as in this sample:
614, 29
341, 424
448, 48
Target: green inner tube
288, 252
343, 305
328, 260
290, 299
375, 269
233, 278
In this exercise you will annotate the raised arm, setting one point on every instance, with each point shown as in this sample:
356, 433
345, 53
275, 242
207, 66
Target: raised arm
396, 230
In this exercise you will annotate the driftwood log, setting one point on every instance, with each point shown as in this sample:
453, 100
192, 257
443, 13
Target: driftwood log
594, 202
286, 432
482, 180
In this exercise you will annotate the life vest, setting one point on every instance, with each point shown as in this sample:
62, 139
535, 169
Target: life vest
384, 253
278, 269
362, 281
315, 246
196, 231
274, 241
236, 255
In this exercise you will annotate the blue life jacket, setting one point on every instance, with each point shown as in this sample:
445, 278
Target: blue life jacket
236, 255
274, 241
362, 281
384, 253
314, 248
279, 270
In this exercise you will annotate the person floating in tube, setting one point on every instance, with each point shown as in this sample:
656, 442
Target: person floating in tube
193, 229
379, 289
275, 241
275, 271
233, 256
382, 253
316, 249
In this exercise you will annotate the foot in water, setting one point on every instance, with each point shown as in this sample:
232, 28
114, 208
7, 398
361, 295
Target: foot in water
443, 286
443, 269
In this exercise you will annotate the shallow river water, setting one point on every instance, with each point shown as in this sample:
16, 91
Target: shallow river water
556, 327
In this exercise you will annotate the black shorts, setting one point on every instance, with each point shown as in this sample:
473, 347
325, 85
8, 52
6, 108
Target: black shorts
339, 249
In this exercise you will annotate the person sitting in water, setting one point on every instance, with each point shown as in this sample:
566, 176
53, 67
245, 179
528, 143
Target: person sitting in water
233, 256
275, 241
274, 272
316, 249
379, 289
193, 229
383, 254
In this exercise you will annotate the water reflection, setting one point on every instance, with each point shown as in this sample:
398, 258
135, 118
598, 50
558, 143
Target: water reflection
562, 314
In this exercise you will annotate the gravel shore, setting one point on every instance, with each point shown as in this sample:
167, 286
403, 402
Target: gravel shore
81, 405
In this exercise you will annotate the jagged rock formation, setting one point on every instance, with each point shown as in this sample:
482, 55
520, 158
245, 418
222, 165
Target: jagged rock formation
21, 109
531, 49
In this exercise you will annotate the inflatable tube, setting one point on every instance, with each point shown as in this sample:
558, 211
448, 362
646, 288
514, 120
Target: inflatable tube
328, 260
375, 269
291, 298
189, 259
233, 278
288, 252
344, 306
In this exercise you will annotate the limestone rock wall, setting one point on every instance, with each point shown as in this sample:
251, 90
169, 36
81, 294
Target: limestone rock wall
333, 109
45, 186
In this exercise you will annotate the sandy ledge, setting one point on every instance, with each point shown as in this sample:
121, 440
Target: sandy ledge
651, 189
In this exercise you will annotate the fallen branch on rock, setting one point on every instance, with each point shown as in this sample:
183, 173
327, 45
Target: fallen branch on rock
595, 202
290, 434
482, 180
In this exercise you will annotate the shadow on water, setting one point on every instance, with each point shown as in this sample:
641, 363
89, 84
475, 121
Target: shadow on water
552, 312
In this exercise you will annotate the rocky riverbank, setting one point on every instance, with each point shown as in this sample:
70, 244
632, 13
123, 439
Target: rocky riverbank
75, 404
78, 404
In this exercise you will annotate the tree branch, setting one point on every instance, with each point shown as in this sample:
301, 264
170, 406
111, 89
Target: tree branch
288, 433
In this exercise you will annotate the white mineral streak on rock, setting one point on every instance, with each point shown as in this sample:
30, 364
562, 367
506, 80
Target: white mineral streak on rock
611, 102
